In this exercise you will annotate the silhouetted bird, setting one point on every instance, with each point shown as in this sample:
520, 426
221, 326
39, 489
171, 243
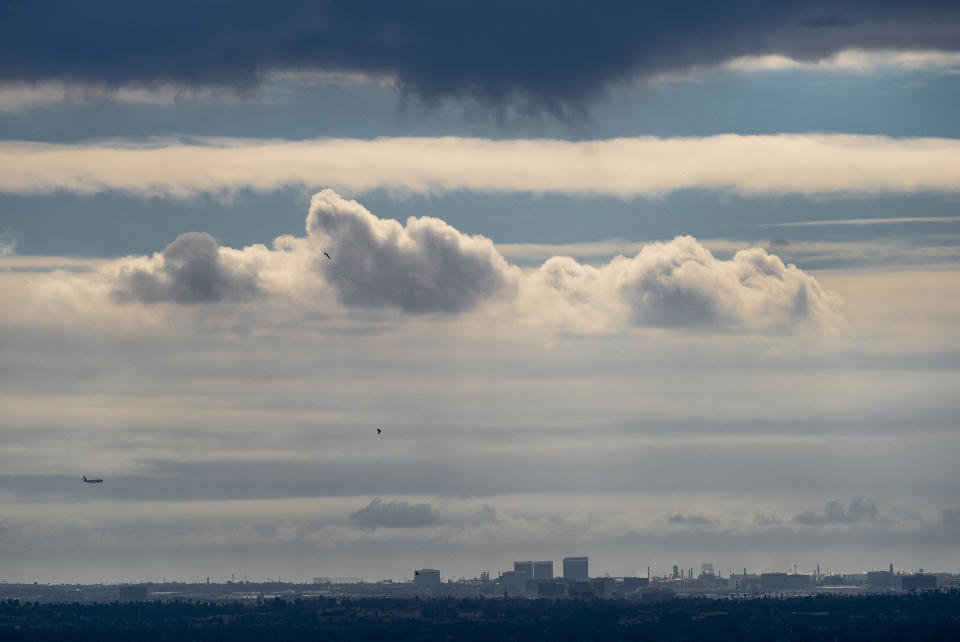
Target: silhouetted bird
326, 255
378, 431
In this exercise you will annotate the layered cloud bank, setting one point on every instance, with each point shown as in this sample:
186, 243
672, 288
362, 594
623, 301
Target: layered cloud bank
428, 267
851, 60
550, 57
457, 534
395, 514
806, 164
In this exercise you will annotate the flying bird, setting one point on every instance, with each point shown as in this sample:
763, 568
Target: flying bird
326, 255
378, 431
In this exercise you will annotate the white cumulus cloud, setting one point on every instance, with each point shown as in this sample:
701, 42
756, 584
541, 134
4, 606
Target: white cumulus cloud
192, 269
680, 284
352, 261
425, 266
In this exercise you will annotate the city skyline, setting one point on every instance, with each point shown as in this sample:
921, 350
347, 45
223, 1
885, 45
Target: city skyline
532, 570
528, 580
349, 289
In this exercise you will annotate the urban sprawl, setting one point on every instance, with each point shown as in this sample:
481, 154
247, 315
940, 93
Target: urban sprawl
527, 580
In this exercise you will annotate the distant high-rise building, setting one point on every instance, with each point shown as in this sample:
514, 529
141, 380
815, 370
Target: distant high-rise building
543, 570
575, 568
524, 569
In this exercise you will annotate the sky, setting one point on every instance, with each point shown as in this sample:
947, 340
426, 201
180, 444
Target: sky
656, 283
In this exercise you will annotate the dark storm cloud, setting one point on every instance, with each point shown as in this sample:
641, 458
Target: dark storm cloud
835, 512
552, 54
192, 271
380, 514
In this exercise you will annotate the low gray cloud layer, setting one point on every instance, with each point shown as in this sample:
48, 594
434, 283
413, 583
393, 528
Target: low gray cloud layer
190, 270
248, 452
951, 516
394, 514
301, 539
689, 520
836, 512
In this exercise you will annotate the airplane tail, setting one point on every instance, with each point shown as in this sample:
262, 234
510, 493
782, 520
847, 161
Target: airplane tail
84, 477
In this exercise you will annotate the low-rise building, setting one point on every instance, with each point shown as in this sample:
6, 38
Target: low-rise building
551, 590
426, 578
785, 581
880, 581
918, 582
631, 584
514, 584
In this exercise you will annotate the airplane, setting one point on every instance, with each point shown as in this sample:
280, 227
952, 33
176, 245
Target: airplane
92, 481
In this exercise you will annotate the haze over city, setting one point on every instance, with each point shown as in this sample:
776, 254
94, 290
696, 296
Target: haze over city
353, 289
